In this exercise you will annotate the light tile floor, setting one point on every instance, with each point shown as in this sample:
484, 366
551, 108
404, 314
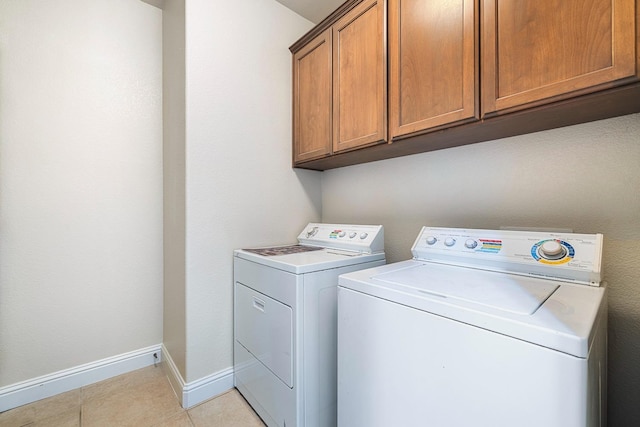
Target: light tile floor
137, 399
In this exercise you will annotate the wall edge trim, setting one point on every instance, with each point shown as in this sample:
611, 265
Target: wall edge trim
38, 388
195, 392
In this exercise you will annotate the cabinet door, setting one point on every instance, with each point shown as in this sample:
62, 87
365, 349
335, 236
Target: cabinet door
359, 77
536, 51
312, 99
433, 55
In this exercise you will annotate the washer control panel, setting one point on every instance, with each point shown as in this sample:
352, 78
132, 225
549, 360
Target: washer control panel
559, 256
358, 238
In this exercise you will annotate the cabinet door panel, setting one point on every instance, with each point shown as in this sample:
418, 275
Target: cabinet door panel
312, 99
359, 77
539, 51
433, 64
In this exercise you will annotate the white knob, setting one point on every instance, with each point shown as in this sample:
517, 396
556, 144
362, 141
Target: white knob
363, 235
431, 240
312, 231
352, 234
449, 241
470, 243
552, 249
342, 234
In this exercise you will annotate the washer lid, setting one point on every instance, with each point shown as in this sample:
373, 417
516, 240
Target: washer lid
565, 321
511, 293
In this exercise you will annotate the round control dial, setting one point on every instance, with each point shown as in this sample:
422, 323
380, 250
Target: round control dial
342, 234
552, 249
470, 244
363, 236
431, 240
352, 234
553, 252
449, 241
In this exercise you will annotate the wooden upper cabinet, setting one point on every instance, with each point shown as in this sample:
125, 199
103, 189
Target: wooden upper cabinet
534, 52
360, 77
312, 83
460, 72
433, 57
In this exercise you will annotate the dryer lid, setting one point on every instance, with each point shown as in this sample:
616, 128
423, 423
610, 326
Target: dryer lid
510, 293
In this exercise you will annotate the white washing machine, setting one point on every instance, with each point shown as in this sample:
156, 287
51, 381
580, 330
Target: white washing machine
481, 328
285, 320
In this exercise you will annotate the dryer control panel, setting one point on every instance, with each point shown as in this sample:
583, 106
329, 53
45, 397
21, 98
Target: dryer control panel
560, 256
356, 238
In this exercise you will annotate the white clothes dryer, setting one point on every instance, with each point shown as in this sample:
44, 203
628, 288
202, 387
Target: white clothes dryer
285, 321
481, 328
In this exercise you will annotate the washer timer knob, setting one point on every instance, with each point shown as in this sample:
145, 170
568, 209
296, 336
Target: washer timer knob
363, 236
552, 249
342, 234
449, 241
431, 240
352, 234
470, 244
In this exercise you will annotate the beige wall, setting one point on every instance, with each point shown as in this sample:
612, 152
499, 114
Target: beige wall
80, 183
240, 189
174, 174
81, 170
584, 177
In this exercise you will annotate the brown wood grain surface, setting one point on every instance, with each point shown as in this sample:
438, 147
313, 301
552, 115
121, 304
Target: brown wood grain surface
359, 77
312, 80
460, 72
541, 51
433, 56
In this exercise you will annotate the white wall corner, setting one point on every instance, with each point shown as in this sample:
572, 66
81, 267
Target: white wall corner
195, 392
49, 385
157, 3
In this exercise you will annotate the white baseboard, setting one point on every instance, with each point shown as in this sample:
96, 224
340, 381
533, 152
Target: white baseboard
190, 394
45, 386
